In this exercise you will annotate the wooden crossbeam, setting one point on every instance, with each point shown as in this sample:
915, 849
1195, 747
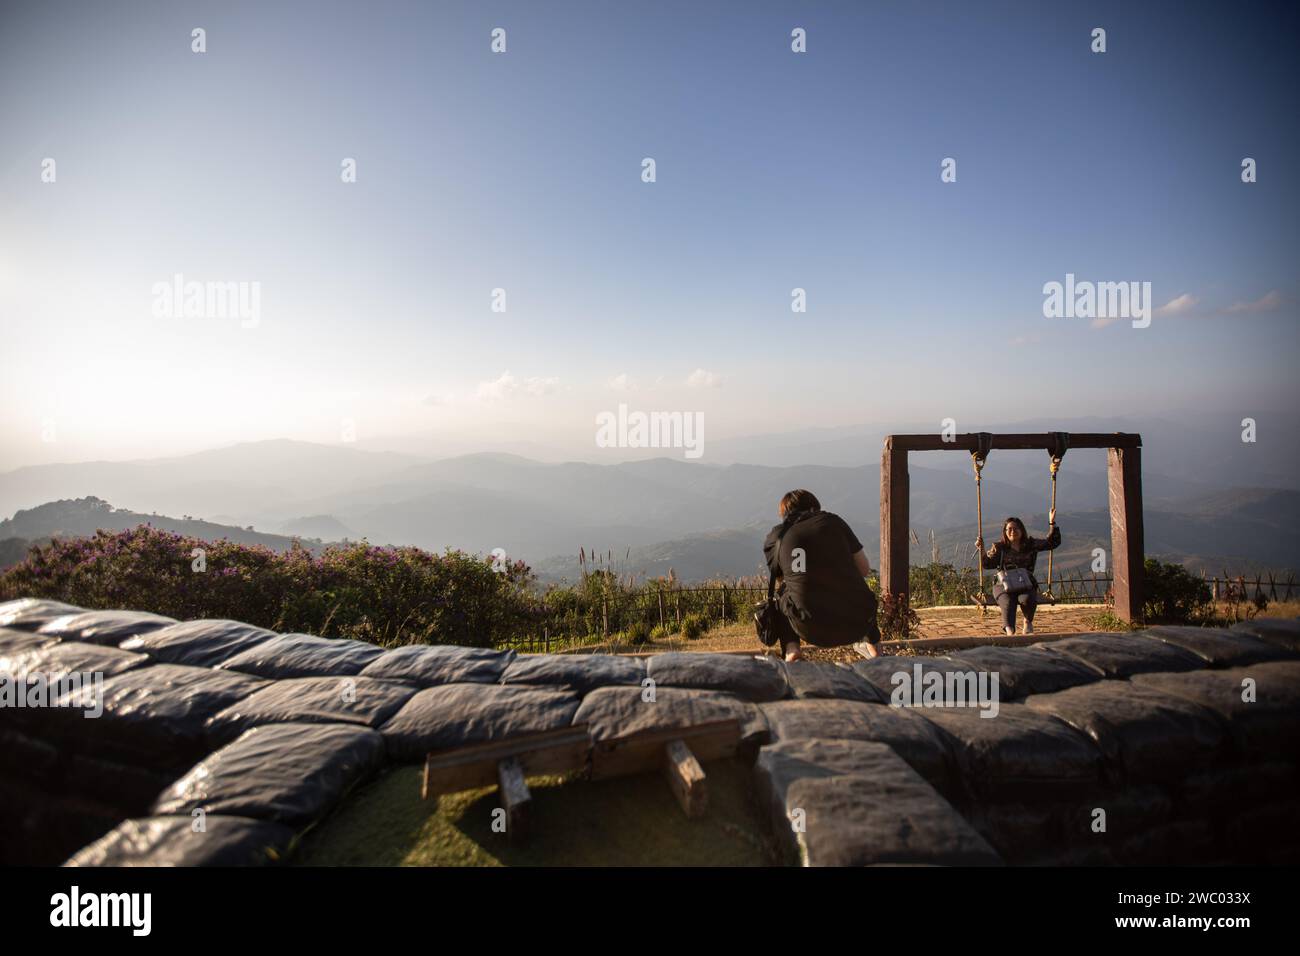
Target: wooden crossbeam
674, 751
644, 752
465, 768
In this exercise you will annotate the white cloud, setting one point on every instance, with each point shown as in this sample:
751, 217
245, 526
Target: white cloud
621, 383
1179, 306
506, 386
701, 378
1269, 302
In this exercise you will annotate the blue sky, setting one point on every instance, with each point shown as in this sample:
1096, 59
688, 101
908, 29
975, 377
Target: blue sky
521, 170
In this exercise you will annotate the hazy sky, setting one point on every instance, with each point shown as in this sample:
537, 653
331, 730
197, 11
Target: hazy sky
523, 171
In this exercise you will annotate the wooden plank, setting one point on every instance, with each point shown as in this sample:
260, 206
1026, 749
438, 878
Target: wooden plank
515, 798
895, 493
685, 778
1124, 473
644, 752
465, 768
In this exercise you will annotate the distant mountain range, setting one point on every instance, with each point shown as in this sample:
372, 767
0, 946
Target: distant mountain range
701, 520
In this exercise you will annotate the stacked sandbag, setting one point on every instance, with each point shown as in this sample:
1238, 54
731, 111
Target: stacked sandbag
31, 614
206, 643
176, 841
290, 774
857, 803
457, 715
361, 701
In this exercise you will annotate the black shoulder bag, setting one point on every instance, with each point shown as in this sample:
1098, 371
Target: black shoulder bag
770, 622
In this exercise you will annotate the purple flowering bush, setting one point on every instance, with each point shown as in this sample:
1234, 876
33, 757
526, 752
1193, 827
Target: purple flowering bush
387, 595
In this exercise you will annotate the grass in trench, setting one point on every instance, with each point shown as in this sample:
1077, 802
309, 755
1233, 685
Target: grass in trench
626, 821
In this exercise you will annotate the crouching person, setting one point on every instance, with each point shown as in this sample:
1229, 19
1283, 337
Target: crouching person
822, 569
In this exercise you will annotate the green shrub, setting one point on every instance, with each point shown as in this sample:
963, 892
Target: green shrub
659, 634
383, 595
1174, 595
896, 618
694, 625
638, 633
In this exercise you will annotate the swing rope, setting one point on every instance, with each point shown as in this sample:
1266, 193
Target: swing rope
1060, 444
983, 445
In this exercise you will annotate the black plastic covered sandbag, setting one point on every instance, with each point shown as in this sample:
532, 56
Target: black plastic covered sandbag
892, 675
1019, 832
821, 680
1176, 843
1267, 826
611, 712
282, 773
911, 736
755, 679
1142, 733
454, 715
203, 643
1123, 655
304, 655
1267, 726
15, 646
129, 790
1018, 752
25, 757
1128, 811
855, 803
67, 657
1220, 647
578, 672
1023, 671
30, 614
171, 841
104, 627
363, 701
153, 716
1217, 789
55, 667
428, 665
1282, 631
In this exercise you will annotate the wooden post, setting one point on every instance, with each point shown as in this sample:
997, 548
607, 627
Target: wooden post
661, 607
604, 617
725, 609
515, 797
894, 494
1124, 472
686, 778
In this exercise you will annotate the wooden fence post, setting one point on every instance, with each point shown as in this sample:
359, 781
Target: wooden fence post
894, 494
1124, 472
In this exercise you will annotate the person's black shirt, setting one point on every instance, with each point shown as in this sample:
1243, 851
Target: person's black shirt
825, 596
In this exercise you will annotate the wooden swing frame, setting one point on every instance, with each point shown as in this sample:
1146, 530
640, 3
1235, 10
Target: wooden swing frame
1124, 472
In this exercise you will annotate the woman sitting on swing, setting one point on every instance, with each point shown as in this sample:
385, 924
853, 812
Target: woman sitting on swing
1017, 552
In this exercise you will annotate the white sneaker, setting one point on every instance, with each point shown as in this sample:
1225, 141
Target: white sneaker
866, 649
1009, 631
